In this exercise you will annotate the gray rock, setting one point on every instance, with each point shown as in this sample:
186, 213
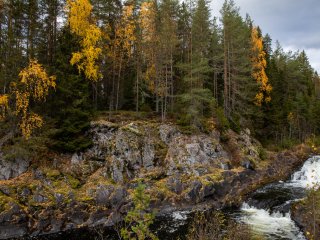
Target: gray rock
248, 164
77, 158
24, 194
13, 168
175, 185
59, 198
225, 166
38, 198
194, 193
186, 152
117, 169
5, 190
10, 231
38, 174
118, 197
148, 155
103, 194
208, 190
167, 132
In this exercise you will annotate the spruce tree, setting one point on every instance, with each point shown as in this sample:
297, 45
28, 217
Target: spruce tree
71, 103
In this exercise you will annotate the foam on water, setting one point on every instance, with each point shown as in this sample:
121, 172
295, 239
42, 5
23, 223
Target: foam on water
275, 225
272, 225
309, 175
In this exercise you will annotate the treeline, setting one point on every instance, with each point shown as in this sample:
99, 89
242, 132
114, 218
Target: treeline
166, 56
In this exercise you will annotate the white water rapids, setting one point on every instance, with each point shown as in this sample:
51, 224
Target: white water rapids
279, 225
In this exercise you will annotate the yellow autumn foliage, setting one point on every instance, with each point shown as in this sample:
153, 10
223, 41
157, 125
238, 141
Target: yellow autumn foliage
36, 80
150, 40
35, 84
80, 21
4, 105
30, 122
259, 65
125, 31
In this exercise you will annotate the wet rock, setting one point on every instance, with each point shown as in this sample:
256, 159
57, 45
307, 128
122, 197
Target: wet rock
8, 231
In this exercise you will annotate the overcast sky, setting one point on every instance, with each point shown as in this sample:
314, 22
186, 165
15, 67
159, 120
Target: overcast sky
295, 23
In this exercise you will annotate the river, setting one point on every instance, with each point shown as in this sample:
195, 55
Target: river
266, 211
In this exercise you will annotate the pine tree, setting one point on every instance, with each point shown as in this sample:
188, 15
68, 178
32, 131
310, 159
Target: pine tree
237, 85
197, 97
167, 42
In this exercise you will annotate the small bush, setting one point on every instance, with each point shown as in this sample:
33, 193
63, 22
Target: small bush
288, 143
145, 108
223, 122
262, 153
214, 225
138, 219
234, 123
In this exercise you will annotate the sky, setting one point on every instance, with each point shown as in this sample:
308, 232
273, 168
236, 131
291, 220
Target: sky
294, 23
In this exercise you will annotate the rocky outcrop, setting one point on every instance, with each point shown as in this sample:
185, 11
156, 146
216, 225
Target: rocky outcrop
93, 187
13, 167
128, 149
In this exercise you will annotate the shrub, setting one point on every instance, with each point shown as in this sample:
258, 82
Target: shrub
223, 122
139, 219
214, 225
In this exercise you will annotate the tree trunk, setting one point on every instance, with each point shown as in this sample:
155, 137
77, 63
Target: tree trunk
225, 77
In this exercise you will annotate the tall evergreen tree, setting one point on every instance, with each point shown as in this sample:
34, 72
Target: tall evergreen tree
197, 97
71, 103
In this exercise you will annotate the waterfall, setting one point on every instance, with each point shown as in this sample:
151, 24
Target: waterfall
308, 176
273, 224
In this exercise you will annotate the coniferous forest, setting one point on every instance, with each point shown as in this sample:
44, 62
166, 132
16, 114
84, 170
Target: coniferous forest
115, 114
61, 62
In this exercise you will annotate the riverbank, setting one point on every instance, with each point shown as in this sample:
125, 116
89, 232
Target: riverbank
182, 171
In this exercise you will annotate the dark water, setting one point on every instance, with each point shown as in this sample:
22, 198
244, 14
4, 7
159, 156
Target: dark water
267, 210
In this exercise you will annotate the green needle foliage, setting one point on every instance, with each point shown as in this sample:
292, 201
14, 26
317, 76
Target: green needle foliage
138, 220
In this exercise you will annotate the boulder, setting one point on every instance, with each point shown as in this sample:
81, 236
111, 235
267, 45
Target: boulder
12, 168
103, 194
193, 194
